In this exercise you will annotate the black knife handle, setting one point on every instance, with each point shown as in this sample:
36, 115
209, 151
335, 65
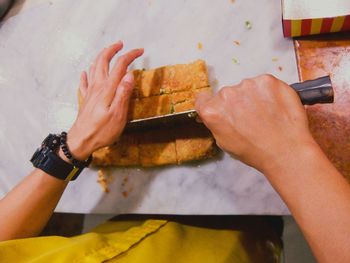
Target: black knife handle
315, 91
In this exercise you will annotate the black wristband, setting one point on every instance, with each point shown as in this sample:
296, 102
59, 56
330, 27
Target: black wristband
68, 154
46, 159
53, 165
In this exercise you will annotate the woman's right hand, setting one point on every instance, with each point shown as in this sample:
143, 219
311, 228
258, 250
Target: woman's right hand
261, 121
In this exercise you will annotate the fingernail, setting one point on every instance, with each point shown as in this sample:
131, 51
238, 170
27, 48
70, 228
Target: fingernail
129, 78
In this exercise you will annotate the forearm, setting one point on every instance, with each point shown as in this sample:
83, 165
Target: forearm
25, 210
319, 199
101, 120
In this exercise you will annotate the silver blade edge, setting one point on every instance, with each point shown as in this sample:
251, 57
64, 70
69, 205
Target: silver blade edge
167, 120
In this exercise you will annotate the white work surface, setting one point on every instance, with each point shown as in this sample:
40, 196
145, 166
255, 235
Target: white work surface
45, 46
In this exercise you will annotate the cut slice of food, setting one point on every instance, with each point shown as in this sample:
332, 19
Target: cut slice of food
185, 100
194, 142
149, 107
170, 79
125, 152
185, 77
148, 82
157, 147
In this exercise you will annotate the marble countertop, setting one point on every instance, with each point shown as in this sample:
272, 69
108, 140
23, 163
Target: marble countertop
45, 45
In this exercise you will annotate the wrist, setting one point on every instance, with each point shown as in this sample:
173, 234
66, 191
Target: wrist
294, 158
78, 147
63, 157
51, 161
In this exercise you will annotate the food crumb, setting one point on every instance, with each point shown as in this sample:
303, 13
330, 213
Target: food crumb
274, 59
125, 181
235, 61
248, 25
102, 180
237, 42
200, 45
280, 68
232, 1
126, 193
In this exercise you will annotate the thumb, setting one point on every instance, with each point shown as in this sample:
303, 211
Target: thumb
204, 107
123, 94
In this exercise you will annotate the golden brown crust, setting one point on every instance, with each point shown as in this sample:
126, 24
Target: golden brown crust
125, 152
170, 79
157, 147
185, 77
194, 142
149, 107
185, 100
148, 82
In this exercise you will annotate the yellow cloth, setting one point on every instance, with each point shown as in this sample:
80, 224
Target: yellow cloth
149, 241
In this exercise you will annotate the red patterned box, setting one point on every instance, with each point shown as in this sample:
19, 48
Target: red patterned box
312, 17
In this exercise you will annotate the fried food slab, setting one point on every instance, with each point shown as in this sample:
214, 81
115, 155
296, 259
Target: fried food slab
185, 77
185, 100
157, 147
148, 82
194, 142
125, 152
150, 106
158, 92
170, 79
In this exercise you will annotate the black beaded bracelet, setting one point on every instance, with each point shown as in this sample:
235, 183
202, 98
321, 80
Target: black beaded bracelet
68, 154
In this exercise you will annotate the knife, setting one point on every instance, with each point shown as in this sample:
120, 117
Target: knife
310, 92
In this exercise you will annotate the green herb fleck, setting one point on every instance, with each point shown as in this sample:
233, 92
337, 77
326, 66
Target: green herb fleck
235, 61
248, 25
172, 109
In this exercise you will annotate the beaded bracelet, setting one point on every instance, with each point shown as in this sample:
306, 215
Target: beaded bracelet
68, 154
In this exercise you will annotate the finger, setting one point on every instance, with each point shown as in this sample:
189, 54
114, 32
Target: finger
201, 100
92, 70
105, 57
121, 66
120, 104
208, 108
83, 86
119, 71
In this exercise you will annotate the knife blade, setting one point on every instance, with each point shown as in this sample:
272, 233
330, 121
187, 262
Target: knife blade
310, 92
167, 120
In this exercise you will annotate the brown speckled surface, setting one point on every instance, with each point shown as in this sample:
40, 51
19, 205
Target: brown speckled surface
330, 124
